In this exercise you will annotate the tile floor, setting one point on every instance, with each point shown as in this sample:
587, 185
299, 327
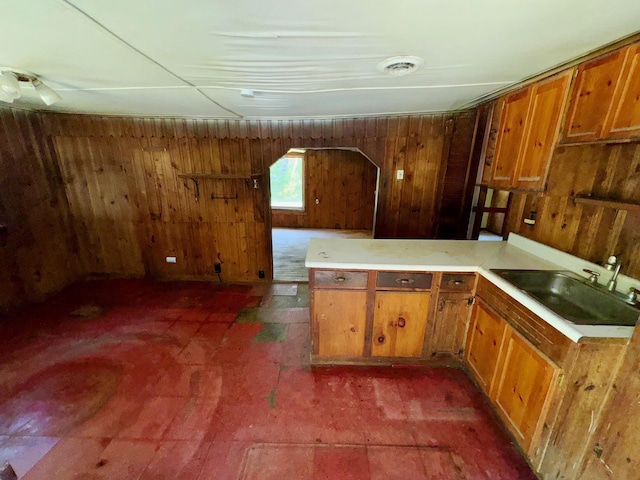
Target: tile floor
290, 249
197, 381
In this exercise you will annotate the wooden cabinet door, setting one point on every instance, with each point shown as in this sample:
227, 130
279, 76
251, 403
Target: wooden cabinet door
547, 105
483, 345
524, 386
399, 324
510, 135
449, 326
339, 322
591, 98
624, 116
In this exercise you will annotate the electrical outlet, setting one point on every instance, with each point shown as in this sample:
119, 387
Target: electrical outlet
399, 174
217, 268
171, 260
260, 273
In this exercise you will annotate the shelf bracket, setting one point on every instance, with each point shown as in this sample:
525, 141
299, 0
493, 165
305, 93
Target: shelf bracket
197, 187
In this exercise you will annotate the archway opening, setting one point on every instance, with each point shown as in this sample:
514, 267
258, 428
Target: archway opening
328, 192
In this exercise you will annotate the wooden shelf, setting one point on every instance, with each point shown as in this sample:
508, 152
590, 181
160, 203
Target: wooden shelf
607, 203
217, 176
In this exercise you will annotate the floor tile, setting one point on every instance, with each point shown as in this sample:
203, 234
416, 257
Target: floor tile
123, 459
278, 462
192, 422
69, 459
24, 452
154, 418
395, 463
288, 289
224, 460
172, 381
177, 460
345, 462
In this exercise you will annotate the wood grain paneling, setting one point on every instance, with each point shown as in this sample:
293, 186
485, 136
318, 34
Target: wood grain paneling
587, 231
137, 210
37, 243
613, 452
123, 180
458, 178
344, 184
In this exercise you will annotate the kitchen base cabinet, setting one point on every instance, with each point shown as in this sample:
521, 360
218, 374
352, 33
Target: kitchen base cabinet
399, 324
450, 323
525, 384
447, 329
388, 317
339, 320
484, 345
548, 390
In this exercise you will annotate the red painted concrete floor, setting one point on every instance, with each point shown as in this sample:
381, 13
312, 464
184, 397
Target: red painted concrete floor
197, 381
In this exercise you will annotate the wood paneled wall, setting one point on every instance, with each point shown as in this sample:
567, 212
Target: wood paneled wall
589, 232
38, 249
614, 453
122, 180
344, 184
457, 182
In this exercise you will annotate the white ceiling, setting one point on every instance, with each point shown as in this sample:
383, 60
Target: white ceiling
302, 58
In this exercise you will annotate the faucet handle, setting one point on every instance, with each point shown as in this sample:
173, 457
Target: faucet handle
593, 275
633, 294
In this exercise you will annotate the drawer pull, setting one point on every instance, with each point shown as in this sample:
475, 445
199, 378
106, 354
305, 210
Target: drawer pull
404, 281
340, 279
381, 339
457, 282
401, 322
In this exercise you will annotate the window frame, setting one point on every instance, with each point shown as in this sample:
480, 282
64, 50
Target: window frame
303, 186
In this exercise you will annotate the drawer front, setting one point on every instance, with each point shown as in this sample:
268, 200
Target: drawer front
457, 282
340, 279
404, 281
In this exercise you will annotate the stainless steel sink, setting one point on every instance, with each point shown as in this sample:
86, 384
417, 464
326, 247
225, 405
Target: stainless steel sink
572, 297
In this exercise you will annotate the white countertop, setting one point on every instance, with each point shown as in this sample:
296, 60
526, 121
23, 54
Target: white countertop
466, 256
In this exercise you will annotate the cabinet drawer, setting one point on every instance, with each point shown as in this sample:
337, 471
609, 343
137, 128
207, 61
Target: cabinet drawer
340, 279
457, 282
404, 281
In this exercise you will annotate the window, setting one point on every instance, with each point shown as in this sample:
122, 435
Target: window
286, 183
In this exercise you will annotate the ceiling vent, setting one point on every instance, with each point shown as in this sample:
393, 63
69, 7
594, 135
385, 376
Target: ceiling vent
400, 66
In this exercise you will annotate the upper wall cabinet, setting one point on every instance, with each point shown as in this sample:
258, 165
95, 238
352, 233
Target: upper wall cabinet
591, 99
623, 120
528, 131
605, 103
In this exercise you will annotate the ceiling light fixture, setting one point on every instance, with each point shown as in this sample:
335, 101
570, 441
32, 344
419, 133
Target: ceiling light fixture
247, 93
10, 79
400, 66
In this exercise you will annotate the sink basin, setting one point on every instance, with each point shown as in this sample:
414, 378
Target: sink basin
572, 297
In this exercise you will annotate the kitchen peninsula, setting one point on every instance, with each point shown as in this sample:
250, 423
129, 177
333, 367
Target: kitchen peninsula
393, 302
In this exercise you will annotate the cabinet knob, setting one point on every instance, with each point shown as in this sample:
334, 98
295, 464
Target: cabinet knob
401, 322
381, 339
340, 279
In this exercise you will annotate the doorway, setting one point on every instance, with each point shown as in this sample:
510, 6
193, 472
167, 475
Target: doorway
321, 193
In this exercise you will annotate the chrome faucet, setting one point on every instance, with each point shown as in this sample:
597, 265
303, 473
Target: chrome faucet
613, 264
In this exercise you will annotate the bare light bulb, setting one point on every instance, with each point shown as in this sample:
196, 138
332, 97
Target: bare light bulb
48, 96
9, 86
